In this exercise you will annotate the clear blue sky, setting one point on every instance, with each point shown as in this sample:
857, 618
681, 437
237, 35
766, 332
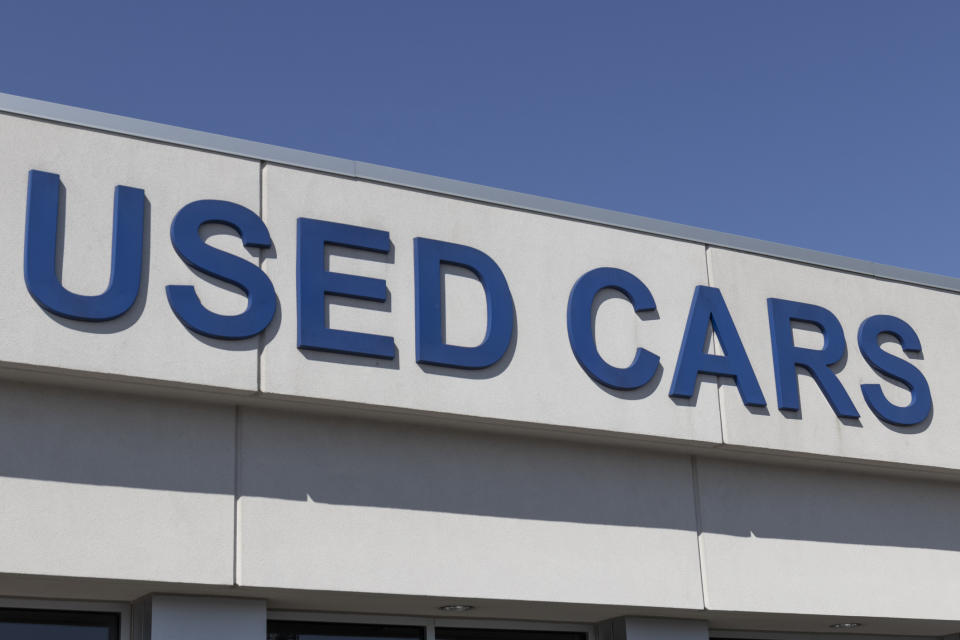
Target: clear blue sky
828, 124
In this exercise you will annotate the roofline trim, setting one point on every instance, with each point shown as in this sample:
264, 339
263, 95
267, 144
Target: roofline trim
154, 131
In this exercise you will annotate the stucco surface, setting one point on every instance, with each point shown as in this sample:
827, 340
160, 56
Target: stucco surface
113, 486
747, 281
390, 508
148, 341
539, 380
811, 541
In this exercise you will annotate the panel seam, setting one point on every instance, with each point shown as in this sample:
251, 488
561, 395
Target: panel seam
261, 342
714, 347
694, 468
236, 493
701, 557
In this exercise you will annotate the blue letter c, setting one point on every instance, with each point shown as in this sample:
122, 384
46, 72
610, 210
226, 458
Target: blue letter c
580, 328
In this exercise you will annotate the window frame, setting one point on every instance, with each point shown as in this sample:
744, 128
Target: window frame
733, 634
121, 610
429, 624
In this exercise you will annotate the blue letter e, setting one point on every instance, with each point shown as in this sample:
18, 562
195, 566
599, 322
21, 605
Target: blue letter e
315, 283
431, 349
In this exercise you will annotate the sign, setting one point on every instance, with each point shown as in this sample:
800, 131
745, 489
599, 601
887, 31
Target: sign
708, 314
147, 265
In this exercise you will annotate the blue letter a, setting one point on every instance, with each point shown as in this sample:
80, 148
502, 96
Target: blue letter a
709, 310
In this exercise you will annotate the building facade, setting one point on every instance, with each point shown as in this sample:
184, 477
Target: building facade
250, 392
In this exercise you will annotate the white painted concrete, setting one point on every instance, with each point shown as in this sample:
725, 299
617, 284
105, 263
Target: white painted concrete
747, 281
113, 486
809, 541
541, 258
148, 341
539, 382
391, 508
135, 492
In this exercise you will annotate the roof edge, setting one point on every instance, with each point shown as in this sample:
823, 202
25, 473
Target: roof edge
154, 131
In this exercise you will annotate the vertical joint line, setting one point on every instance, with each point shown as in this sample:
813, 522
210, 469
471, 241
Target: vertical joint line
263, 168
236, 491
713, 347
261, 341
695, 474
706, 263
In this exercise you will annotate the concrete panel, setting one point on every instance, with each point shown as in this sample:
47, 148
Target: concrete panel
148, 341
539, 380
112, 486
807, 541
336, 505
747, 281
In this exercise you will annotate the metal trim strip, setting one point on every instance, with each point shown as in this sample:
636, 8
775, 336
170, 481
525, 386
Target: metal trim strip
274, 154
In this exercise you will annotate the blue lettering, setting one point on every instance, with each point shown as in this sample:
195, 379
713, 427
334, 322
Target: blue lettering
315, 282
40, 253
708, 309
428, 256
580, 328
261, 298
886, 364
787, 357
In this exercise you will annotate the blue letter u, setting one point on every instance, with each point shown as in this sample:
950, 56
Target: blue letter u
40, 253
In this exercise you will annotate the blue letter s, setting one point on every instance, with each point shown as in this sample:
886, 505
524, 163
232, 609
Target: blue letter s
920, 401
261, 299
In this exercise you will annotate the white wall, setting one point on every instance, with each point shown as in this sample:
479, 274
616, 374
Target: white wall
541, 258
335, 504
747, 281
241, 494
823, 542
148, 341
113, 486
538, 383
105, 485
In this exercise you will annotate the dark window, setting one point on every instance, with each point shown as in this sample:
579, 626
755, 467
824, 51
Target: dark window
283, 630
40, 624
446, 633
